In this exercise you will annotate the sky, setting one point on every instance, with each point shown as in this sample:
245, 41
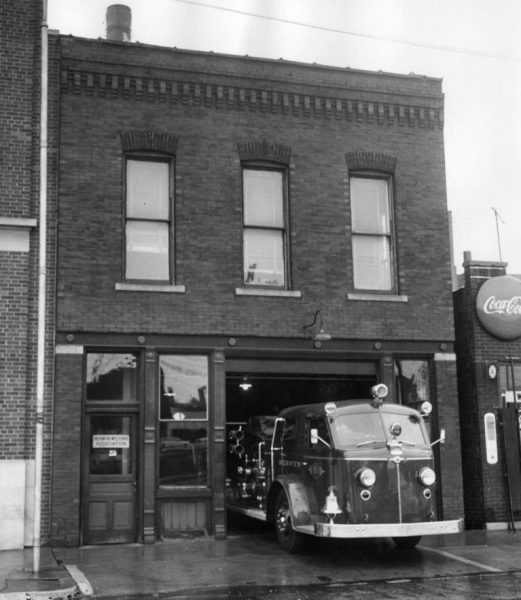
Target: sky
474, 46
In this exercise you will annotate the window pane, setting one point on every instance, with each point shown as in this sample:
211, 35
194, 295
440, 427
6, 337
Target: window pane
184, 387
147, 189
371, 262
263, 198
111, 377
263, 257
369, 205
110, 447
412, 382
147, 250
183, 453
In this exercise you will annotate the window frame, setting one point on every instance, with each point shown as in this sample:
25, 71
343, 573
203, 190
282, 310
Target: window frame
150, 157
284, 230
390, 236
191, 421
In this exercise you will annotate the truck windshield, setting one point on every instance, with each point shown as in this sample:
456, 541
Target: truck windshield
369, 429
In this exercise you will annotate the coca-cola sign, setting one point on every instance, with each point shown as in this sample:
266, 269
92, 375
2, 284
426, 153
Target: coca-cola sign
498, 305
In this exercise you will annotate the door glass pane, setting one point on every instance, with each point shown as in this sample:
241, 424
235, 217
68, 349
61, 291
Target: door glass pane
111, 377
147, 190
263, 257
371, 262
263, 198
147, 250
110, 445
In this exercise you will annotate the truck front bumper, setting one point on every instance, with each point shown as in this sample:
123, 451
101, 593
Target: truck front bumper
376, 530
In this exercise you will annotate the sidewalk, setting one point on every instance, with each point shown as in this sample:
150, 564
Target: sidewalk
205, 568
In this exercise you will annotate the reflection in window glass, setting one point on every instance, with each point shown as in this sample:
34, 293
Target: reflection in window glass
183, 453
111, 377
110, 448
412, 382
183, 387
183, 415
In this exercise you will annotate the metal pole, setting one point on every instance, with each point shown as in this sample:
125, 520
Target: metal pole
42, 285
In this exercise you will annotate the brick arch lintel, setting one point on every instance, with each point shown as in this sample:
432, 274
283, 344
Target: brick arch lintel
376, 161
150, 141
264, 150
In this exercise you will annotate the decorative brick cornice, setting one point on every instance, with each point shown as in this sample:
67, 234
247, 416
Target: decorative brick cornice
149, 141
371, 160
263, 150
257, 100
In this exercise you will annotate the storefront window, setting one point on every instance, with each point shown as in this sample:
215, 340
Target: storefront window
412, 382
183, 420
111, 377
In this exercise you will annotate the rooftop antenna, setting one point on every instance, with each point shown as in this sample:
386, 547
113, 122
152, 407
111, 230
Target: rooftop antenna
498, 216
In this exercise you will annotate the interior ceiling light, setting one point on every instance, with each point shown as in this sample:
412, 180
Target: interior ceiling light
245, 384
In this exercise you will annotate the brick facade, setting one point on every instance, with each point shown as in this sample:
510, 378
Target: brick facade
485, 490
211, 112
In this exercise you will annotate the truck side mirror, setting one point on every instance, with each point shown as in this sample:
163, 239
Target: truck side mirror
313, 436
441, 439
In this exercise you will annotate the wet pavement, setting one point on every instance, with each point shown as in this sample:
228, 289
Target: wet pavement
249, 565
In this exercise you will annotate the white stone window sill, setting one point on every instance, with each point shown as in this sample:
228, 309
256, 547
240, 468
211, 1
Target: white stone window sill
378, 297
149, 287
270, 293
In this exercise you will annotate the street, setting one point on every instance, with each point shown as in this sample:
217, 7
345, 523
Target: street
249, 565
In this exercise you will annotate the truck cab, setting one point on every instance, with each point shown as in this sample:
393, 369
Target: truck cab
349, 469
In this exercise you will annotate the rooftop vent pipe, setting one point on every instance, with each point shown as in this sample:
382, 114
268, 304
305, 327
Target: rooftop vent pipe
119, 18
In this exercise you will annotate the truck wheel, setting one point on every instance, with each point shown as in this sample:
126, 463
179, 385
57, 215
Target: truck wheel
406, 543
289, 540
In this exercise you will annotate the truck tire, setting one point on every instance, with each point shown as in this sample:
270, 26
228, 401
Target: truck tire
406, 543
289, 540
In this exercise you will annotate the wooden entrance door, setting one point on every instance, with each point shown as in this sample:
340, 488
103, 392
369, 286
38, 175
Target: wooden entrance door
110, 479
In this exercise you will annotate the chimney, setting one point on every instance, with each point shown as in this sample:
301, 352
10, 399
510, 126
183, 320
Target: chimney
118, 23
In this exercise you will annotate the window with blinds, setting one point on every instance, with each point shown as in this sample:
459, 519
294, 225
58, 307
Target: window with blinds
148, 220
371, 233
264, 227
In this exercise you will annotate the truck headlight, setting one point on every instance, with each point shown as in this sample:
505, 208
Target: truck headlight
427, 476
366, 477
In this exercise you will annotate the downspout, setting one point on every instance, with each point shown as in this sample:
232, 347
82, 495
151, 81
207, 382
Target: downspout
42, 285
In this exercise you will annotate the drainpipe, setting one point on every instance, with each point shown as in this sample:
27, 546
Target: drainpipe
42, 285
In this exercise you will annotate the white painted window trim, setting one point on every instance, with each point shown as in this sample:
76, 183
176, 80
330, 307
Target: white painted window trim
144, 287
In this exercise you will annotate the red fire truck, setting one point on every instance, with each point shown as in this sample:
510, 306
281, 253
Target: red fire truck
350, 469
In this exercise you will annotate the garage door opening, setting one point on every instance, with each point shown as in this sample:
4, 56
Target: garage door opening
258, 394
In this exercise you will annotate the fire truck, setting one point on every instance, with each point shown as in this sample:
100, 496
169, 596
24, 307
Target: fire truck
348, 469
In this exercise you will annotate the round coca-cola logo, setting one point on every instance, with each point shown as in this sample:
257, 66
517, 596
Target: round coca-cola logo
498, 305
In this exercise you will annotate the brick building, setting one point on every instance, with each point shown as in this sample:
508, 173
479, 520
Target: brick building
235, 235
20, 226
488, 330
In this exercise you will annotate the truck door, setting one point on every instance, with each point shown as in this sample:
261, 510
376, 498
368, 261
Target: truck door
317, 471
277, 446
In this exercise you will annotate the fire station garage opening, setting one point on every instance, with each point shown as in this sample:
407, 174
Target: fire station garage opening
249, 395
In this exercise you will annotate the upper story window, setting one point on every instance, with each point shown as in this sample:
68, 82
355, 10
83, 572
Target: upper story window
264, 227
148, 223
371, 233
